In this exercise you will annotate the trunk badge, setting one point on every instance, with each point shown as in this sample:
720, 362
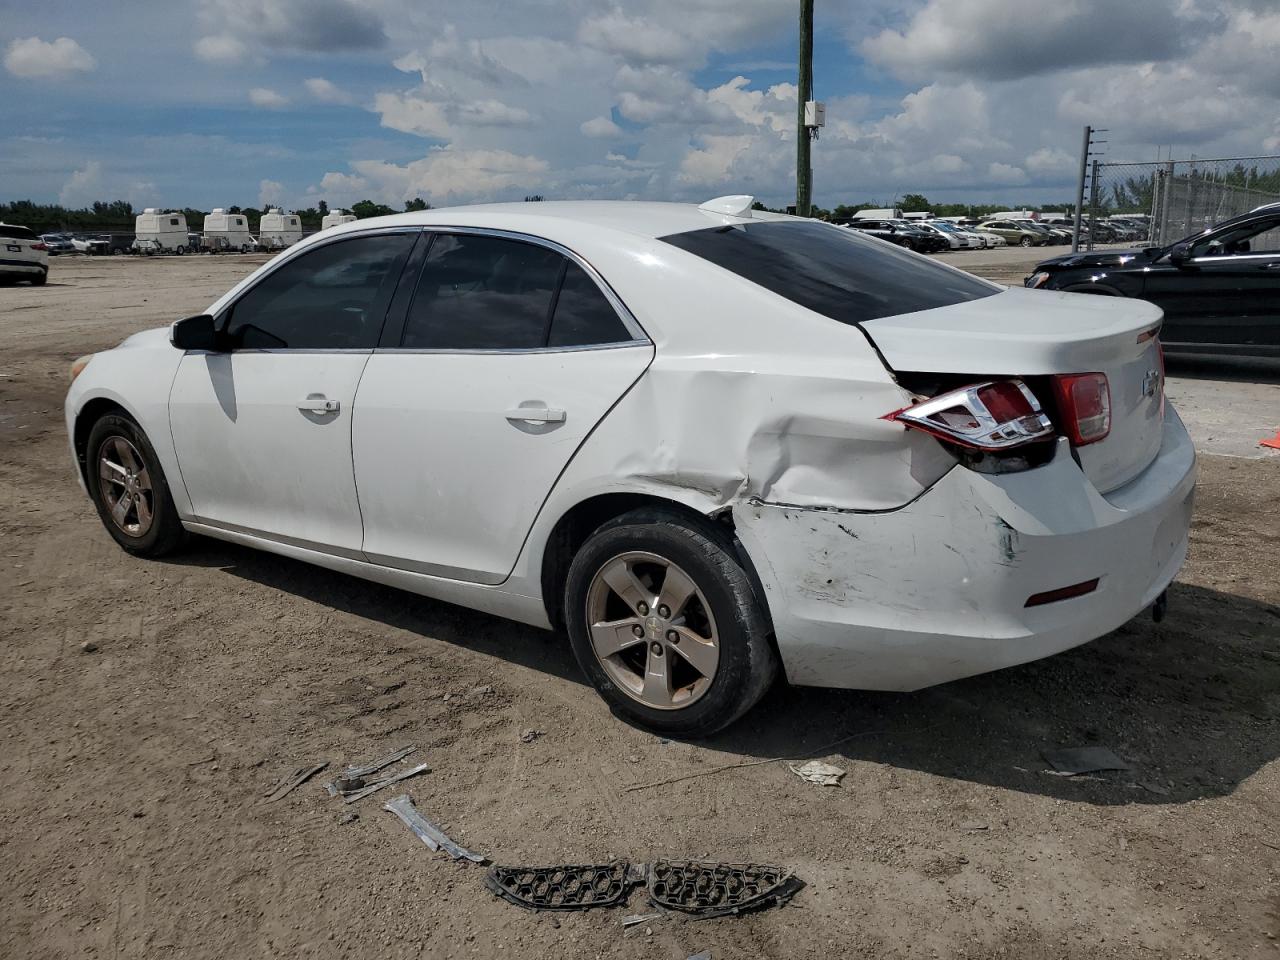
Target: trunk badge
1150, 383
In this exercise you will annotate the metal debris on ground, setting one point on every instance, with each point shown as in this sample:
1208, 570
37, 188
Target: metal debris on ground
719, 889
633, 919
530, 735
815, 771
1070, 761
358, 789
430, 834
701, 955
291, 781
576, 887
346, 781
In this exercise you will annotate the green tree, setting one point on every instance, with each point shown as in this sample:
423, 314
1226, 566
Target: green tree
322, 208
367, 208
914, 203
534, 198
416, 204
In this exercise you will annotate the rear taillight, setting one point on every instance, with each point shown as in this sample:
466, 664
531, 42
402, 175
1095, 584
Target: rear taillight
996, 415
1084, 403
39, 246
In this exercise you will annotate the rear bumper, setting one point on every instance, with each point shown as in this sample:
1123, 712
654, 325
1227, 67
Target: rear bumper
936, 590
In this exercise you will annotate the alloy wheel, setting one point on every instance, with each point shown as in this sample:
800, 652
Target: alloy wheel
652, 630
125, 486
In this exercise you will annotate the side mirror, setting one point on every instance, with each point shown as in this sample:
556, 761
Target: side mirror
196, 333
1180, 254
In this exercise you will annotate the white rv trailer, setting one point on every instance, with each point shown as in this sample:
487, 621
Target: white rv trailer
336, 218
881, 213
160, 231
277, 230
227, 231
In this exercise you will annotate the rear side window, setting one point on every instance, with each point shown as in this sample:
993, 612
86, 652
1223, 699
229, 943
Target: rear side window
491, 293
834, 272
583, 317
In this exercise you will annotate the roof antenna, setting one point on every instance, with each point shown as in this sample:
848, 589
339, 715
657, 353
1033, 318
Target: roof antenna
736, 205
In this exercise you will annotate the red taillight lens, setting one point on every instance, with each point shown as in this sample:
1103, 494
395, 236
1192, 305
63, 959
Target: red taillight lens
39, 246
1084, 401
996, 415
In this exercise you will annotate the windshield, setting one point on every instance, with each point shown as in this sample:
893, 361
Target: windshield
835, 272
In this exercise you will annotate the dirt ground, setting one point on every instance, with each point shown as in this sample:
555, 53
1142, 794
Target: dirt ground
130, 822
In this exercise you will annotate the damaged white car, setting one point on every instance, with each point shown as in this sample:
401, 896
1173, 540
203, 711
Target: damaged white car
708, 443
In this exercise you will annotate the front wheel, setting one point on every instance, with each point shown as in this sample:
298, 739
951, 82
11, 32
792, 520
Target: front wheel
665, 623
129, 489
1026, 241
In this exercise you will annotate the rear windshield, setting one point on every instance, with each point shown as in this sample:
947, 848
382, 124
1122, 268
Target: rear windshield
832, 270
16, 233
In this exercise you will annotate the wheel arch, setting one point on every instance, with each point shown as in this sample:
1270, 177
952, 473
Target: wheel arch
93, 411
585, 517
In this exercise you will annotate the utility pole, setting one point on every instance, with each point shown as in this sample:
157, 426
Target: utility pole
804, 171
1086, 149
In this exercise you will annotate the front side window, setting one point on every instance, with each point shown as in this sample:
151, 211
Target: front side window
333, 297
1257, 237
837, 273
492, 293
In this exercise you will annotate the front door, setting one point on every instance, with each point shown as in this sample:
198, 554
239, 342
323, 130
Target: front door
1227, 293
263, 430
511, 353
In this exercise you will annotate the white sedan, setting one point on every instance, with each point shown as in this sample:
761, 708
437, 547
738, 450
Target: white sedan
707, 443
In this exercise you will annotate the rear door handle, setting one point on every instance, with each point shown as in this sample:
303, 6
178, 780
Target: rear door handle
318, 403
536, 414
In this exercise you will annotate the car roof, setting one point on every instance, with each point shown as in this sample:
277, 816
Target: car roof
637, 218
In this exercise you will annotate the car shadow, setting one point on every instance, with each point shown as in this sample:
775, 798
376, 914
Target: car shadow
1192, 703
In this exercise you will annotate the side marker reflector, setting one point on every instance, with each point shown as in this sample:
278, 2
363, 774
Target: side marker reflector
1062, 593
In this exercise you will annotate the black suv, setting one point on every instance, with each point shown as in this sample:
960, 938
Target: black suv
1219, 289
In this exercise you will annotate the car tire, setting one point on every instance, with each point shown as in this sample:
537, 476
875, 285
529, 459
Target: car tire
39, 280
149, 525
1026, 241
180, 251
721, 624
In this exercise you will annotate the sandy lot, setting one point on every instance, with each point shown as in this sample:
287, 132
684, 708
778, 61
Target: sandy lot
130, 823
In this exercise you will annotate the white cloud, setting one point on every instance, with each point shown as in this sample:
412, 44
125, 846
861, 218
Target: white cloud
1003, 39
444, 175
32, 57
270, 193
83, 186
267, 98
599, 127
326, 91
221, 48
309, 26
638, 39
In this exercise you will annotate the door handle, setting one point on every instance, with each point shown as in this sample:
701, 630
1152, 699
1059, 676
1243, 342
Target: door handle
536, 414
318, 403
1272, 266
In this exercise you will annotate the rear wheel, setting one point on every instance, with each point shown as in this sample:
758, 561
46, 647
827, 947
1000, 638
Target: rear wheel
39, 280
129, 489
665, 623
1026, 241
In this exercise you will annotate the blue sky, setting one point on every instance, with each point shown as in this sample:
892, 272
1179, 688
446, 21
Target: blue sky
216, 102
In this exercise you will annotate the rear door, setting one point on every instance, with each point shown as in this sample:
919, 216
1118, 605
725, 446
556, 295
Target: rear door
511, 351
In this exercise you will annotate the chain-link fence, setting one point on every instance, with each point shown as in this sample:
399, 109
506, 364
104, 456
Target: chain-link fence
1160, 203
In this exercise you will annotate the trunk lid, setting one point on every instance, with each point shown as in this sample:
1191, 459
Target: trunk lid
1034, 333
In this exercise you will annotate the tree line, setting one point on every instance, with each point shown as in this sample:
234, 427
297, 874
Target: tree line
106, 216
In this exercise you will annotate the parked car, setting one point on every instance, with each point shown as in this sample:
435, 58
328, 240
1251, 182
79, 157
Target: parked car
991, 239
976, 242
57, 243
1014, 232
902, 232
709, 443
1219, 289
93, 246
955, 240
23, 255
1054, 234
882, 231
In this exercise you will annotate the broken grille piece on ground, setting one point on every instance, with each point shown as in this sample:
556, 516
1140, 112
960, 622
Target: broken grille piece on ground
566, 887
717, 889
